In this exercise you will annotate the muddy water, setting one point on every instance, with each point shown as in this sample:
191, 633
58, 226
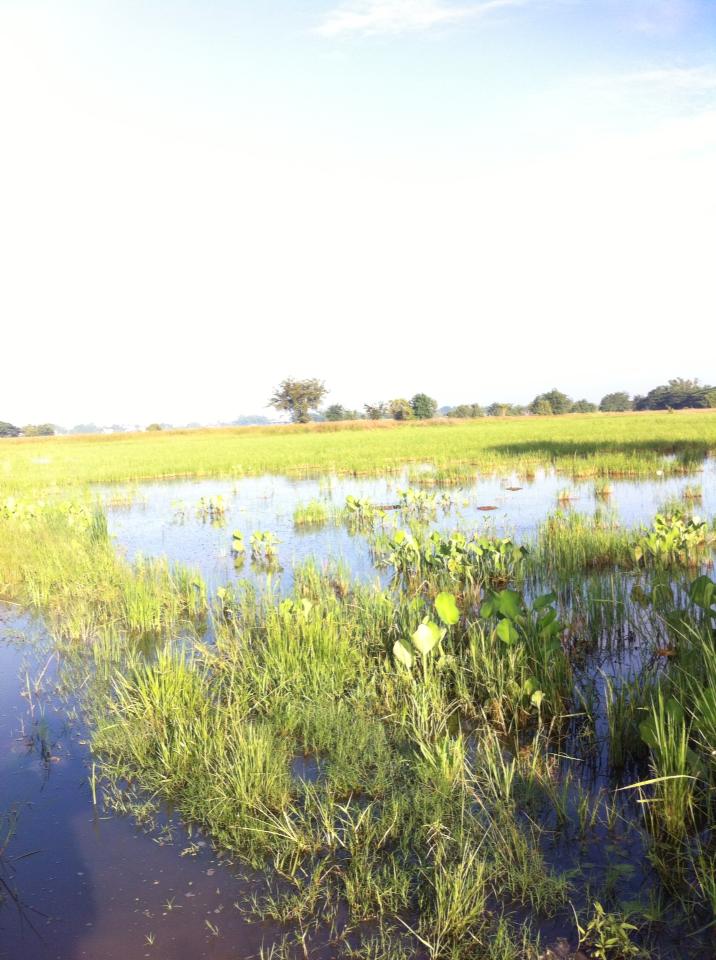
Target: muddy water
83, 884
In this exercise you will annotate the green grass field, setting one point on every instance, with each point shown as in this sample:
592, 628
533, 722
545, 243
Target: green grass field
588, 445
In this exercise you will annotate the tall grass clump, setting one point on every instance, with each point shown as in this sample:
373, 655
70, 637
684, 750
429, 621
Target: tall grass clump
312, 514
60, 560
570, 542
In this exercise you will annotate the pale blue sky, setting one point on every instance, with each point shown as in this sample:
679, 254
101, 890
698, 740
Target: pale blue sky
476, 199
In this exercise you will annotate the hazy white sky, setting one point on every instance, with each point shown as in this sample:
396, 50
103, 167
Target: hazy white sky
480, 199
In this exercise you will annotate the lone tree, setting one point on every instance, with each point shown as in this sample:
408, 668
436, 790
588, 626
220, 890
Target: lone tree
299, 397
423, 406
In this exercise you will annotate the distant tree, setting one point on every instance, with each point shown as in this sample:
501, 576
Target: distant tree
541, 407
298, 398
677, 394
376, 411
338, 412
250, 420
616, 402
583, 406
86, 428
39, 430
8, 430
400, 409
154, 426
466, 410
558, 402
499, 409
423, 406
711, 397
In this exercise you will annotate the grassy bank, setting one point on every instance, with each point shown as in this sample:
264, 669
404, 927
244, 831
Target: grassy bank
580, 445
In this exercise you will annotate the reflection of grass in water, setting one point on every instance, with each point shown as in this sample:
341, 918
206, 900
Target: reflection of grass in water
7, 832
9, 894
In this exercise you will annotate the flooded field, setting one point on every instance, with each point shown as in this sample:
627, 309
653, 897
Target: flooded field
167, 519
102, 856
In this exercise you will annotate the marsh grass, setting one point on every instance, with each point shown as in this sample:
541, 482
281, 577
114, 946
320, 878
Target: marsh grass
61, 562
583, 447
312, 514
569, 543
444, 777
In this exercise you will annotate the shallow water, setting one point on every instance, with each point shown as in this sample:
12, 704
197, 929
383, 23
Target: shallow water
95, 886
162, 520
92, 886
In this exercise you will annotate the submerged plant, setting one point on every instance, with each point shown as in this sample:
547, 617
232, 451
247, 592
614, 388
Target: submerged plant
211, 510
361, 513
264, 547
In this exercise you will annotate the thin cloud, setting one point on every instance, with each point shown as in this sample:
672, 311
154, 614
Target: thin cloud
681, 78
660, 16
696, 84
371, 17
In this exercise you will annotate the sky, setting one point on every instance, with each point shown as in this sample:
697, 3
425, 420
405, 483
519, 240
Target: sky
476, 199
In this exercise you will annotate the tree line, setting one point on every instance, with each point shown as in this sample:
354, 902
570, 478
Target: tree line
302, 400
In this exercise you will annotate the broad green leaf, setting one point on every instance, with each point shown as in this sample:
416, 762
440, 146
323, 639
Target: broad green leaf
537, 698
447, 608
544, 601
426, 636
648, 734
487, 609
509, 603
703, 592
402, 654
547, 619
507, 632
